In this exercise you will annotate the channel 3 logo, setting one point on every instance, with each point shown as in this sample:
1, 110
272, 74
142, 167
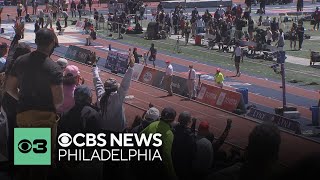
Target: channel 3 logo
25, 146
32, 146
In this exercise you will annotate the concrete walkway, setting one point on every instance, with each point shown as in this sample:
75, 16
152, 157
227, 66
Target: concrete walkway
290, 59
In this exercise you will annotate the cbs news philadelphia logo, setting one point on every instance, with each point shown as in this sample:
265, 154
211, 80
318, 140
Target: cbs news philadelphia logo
32, 146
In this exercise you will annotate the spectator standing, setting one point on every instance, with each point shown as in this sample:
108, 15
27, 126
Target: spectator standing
162, 169
299, 5
3, 52
110, 99
250, 28
39, 80
34, 6
71, 79
300, 32
136, 56
49, 20
219, 78
82, 116
237, 57
63, 63
46, 2
19, 9
203, 160
316, 16
79, 8
54, 12
41, 18
59, 28
269, 36
187, 31
145, 59
96, 17
9, 103
191, 82
25, 5
65, 16
73, 8
184, 146
168, 78
149, 117
262, 156
90, 5
293, 36
22, 23
262, 6
280, 43
153, 54
36, 27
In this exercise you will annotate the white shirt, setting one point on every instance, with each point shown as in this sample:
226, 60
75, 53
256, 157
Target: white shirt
269, 35
237, 51
192, 74
200, 23
169, 70
221, 11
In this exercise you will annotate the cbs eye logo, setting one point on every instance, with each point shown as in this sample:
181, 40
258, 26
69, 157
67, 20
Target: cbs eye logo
38, 146
64, 140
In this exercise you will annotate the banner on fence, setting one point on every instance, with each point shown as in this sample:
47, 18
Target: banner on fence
78, 54
218, 97
276, 119
117, 62
148, 75
137, 70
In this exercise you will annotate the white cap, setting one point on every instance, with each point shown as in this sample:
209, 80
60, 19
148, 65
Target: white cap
62, 62
152, 114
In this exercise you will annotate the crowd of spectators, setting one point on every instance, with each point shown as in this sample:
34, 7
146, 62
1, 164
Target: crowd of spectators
189, 151
39, 92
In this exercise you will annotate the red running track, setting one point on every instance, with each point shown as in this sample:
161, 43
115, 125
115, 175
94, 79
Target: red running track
259, 99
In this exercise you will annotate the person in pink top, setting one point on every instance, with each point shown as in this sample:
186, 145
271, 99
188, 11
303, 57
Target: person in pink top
71, 79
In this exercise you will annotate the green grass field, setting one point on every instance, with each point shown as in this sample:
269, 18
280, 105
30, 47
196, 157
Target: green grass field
303, 76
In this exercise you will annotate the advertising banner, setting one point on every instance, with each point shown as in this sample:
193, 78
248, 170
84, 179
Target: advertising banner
276, 119
137, 70
218, 97
148, 75
117, 62
78, 54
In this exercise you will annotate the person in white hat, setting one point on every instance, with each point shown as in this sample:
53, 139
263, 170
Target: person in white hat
151, 115
63, 63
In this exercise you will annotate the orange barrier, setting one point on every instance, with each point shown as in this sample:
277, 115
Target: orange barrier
208, 94
218, 97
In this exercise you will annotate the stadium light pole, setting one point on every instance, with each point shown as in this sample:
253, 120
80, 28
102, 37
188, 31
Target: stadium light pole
282, 57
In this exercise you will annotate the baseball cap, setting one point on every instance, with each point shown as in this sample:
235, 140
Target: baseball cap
167, 61
111, 83
72, 70
62, 62
168, 114
81, 94
152, 114
218, 70
203, 126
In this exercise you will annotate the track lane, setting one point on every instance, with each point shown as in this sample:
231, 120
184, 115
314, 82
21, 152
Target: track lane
292, 147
